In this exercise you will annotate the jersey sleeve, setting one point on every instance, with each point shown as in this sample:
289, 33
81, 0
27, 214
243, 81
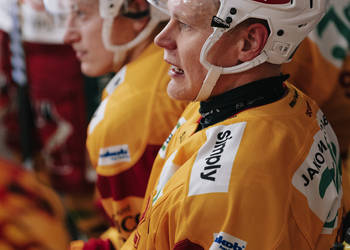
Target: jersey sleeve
114, 143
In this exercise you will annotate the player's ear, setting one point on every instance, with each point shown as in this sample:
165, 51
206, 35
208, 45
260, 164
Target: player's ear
253, 40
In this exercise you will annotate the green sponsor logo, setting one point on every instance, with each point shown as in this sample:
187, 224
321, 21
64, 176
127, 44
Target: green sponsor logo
332, 18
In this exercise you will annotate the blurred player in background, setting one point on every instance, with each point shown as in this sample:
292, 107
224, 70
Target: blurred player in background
135, 115
56, 93
31, 214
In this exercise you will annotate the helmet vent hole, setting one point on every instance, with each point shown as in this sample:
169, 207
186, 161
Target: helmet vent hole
311, 4
233, 11
111, 6
228, 20
280, 33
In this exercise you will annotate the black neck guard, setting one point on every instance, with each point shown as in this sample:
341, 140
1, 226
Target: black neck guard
254, 94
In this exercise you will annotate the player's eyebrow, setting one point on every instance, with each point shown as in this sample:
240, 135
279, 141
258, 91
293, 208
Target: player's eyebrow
194, 19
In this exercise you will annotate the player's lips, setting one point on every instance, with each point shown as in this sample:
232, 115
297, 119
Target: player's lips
80, 54
175, 71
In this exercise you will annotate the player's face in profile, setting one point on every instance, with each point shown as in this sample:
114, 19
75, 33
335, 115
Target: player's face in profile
182, 39
84, 33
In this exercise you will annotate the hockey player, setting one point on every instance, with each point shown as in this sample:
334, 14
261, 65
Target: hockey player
31, 214
255, 164
135, 115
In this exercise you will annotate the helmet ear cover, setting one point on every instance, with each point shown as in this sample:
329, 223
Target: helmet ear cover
109, 9
289, 22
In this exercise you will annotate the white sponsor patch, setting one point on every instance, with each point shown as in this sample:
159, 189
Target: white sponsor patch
114, 154
98, 115
162, 150
116, 80
226, 241
319, 178
211, 171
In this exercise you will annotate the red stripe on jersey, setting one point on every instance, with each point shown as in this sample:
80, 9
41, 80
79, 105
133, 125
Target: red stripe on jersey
132, 182
187, 245
98, 244
273, 1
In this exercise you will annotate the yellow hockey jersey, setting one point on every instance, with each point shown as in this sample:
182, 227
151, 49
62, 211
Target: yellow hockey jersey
125, 134
267, 178
31, 214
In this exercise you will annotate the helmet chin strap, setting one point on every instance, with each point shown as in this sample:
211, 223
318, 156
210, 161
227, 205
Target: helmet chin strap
209, 83
120, 51
215, 71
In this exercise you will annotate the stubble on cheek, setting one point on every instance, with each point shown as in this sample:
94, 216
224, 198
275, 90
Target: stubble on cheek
177, 90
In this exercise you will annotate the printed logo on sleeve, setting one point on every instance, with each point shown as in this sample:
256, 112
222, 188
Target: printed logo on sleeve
319, 176
224, 241
211, 171
114, 154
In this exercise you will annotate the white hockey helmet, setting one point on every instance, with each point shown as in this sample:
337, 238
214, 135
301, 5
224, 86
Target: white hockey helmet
57, 6
289, 22
109, 9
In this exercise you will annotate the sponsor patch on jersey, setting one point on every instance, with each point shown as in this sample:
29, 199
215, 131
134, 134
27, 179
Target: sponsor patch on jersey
116, 80
114, 154
319, 176
211, 171
226, 241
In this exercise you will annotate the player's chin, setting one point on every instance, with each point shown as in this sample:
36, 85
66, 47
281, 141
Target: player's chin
92, 69
179, 89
